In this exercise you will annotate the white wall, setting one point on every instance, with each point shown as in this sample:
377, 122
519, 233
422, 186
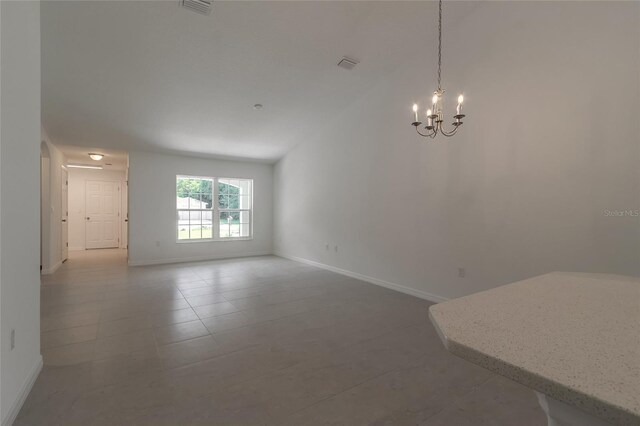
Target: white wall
52, 227
77, 185
551, 141
152, 208
20, 207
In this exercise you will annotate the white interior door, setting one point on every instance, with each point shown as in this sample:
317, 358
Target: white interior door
102, 213
64, 212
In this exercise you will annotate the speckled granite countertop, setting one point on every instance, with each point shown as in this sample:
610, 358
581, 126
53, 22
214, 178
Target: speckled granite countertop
572, 336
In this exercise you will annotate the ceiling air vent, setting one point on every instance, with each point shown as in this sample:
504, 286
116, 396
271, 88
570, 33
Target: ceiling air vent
347, 63
200, 6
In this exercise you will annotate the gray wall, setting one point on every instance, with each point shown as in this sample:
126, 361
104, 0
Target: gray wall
550, 143
20, 202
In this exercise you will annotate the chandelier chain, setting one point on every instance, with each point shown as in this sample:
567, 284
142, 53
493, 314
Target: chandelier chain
439, 44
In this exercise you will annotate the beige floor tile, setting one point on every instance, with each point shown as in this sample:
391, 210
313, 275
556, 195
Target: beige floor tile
64, 320
279, 343
215, 309
165, 318
188, 352
225, 322
124, 326
69, 354
178, 332
124, 344
51, 339
205, 299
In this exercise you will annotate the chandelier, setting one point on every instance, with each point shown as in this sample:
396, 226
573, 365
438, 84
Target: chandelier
435, 116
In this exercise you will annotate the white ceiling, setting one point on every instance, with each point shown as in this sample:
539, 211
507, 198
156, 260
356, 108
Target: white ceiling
112, 160
150, 75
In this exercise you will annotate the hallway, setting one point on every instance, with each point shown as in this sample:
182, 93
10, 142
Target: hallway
259, 340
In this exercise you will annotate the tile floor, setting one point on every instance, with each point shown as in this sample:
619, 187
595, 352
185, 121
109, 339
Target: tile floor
259, 340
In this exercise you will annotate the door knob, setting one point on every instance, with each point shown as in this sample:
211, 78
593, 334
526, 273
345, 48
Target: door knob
64, 220
88, 218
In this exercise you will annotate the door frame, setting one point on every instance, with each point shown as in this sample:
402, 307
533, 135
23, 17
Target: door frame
64, 214
124, 213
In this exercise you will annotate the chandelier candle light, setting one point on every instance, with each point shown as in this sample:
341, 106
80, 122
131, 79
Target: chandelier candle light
435, 116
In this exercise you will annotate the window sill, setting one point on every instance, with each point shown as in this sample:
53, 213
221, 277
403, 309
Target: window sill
214, 240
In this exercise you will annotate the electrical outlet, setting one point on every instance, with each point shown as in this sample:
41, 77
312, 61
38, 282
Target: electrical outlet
335, 248
13, 338
326, 247
462, 272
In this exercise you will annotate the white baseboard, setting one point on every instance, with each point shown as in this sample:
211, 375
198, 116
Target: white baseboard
13, 411
54, 268
197, 258
393, 286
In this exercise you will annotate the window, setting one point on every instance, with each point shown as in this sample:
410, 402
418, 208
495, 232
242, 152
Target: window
198, 217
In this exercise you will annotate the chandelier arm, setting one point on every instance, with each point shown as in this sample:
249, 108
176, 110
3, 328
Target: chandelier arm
430, 135
449, 134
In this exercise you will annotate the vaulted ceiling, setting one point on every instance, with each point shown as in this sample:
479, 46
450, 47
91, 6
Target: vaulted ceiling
150, 75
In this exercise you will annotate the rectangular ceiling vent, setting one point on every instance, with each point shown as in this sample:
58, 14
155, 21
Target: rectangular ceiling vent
199, 6
347, 63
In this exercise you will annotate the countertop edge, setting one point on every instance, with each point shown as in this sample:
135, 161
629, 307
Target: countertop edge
594, 406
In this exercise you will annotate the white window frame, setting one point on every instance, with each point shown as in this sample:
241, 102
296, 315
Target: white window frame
215, 211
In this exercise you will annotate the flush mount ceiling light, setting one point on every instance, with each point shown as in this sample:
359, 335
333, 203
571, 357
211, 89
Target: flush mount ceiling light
96, 157
83, 166
257, 106
435, 116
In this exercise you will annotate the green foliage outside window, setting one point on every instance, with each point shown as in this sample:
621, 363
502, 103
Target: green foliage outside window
228, 196
198, 189
201, 189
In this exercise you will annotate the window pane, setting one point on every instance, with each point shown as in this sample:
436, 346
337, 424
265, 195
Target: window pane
194, 192
234, 202
194, 217
244, 202
245, 230
224, 230
207, 218
183, 232
223, 201
183, 224
235, 224
226, 219
195, 232
245, 217
223, 186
